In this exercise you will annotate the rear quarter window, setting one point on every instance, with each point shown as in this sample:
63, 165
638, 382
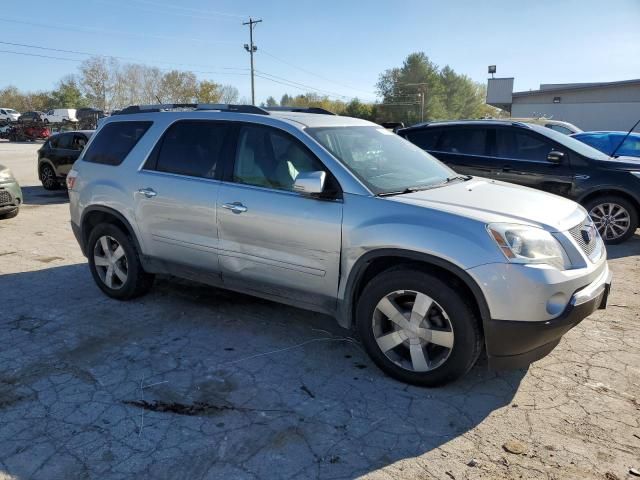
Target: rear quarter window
114, 142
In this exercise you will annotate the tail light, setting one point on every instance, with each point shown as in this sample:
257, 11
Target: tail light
71, 179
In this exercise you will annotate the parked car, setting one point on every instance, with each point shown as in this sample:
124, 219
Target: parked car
10, 194
539, 157
608, 142
57, 155
60, 115
88, 117
557, 125
9, 114
337, 215
32, 116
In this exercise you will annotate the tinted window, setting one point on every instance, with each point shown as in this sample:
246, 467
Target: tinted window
192, 148
64, 141
519, 145
631, 146
53, 141
425, 139
79, 141
468, 141
559, 128
268, 158
115, 141
600, 141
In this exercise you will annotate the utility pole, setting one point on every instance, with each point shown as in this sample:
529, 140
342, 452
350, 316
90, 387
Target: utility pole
422, 94
251, 48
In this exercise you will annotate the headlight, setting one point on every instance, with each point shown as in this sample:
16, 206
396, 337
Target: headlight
524, 244
635, 174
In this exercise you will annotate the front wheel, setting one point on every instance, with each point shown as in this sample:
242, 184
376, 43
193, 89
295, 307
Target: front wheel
11, 214
417, 328
615, 217
115, 263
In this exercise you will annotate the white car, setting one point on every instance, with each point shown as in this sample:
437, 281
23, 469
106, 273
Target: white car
9, 114
60, 115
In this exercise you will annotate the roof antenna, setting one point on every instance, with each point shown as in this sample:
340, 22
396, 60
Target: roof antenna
613, 155
158, 98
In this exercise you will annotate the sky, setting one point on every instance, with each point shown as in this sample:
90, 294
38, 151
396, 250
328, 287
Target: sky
332, 47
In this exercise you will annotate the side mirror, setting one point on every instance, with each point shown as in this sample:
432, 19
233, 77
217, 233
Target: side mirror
555, 156
310, 183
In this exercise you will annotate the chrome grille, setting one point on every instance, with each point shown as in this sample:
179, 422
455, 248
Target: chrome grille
589, 248
5, 198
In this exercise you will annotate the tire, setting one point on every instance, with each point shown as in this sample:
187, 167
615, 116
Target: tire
136, 281
616, 218
448, 314
12, 214
46, 120
48, 178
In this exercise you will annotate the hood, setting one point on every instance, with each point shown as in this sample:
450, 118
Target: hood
620, 163
492, 201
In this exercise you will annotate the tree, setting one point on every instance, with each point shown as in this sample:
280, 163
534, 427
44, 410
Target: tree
208, 92
271, 102
355, 108
285, 101
67, 94
228, 94
98, 80
178, 87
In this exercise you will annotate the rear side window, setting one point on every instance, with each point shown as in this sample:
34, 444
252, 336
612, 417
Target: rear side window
192, 148
53, 141
425, 139
467, 141
115, 141
64, 141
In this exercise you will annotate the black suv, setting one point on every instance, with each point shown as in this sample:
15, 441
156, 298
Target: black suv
56, 156
538, 157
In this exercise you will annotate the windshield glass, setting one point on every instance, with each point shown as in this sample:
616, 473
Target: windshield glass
570, 142
10, 110
382, 160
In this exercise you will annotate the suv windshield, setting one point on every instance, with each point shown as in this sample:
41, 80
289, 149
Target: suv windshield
570, 142
382, 160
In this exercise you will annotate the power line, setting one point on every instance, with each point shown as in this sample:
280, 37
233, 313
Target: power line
72, 28
302, 85
189, 9
314, 74
305, 89
93, 54
77, 60
202, 16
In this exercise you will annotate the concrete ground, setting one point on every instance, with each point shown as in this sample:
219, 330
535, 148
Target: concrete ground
194, 382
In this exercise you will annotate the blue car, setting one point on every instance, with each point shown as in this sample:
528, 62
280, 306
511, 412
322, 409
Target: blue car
607, 142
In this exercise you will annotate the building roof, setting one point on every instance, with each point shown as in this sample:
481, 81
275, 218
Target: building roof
561, 87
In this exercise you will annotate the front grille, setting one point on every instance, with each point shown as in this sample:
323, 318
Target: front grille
588, 247
5, 198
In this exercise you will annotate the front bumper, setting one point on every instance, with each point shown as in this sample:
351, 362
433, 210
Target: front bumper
516, 344
10, 196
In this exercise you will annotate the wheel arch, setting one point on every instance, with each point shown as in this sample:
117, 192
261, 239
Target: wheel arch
377, 261
97, 214
635, 201
45, 161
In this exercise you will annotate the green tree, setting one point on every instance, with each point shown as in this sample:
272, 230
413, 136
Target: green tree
271, 102
208, 92
355, 108
67, 94
285, 101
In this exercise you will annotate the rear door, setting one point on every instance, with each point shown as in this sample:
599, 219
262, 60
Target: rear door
275, 241
464, 148
522, 156
61, 153
175, 196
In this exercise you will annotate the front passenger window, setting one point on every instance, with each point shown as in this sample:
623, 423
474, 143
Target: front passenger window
267, 158
521, 146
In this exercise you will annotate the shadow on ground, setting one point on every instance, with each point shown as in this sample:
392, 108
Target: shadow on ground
37, 195
626, 249
196, 382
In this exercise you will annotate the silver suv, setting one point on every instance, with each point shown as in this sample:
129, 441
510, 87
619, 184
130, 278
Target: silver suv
337, 215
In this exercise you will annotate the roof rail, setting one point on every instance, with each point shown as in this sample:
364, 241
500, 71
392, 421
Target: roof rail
318, 110
164, 107
520, 124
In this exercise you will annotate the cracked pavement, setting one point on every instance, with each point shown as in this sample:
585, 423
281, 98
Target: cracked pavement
195, 382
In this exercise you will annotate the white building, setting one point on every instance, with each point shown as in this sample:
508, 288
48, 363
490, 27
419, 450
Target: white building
590, 106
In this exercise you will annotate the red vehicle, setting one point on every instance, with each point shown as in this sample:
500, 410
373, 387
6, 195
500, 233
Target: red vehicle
23, 133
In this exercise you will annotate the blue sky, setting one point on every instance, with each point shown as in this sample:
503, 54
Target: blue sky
336, 47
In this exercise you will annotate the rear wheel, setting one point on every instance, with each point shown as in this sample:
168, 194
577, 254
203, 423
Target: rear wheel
48, 178
115, 263
615, 217
417, 328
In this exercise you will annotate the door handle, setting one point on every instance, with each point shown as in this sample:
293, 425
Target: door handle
147, 192
235, 207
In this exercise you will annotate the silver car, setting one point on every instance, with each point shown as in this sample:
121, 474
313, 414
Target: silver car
10, 194
337, 215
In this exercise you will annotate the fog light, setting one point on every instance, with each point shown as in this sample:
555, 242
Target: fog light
557, 303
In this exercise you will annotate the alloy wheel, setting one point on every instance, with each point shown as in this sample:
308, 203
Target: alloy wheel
47, 177
611, 219
110, 261
412, 330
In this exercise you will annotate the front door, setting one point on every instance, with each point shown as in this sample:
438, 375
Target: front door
275, 241
175, 196
522, 156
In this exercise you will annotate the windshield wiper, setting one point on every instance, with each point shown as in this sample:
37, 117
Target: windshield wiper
425, 187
